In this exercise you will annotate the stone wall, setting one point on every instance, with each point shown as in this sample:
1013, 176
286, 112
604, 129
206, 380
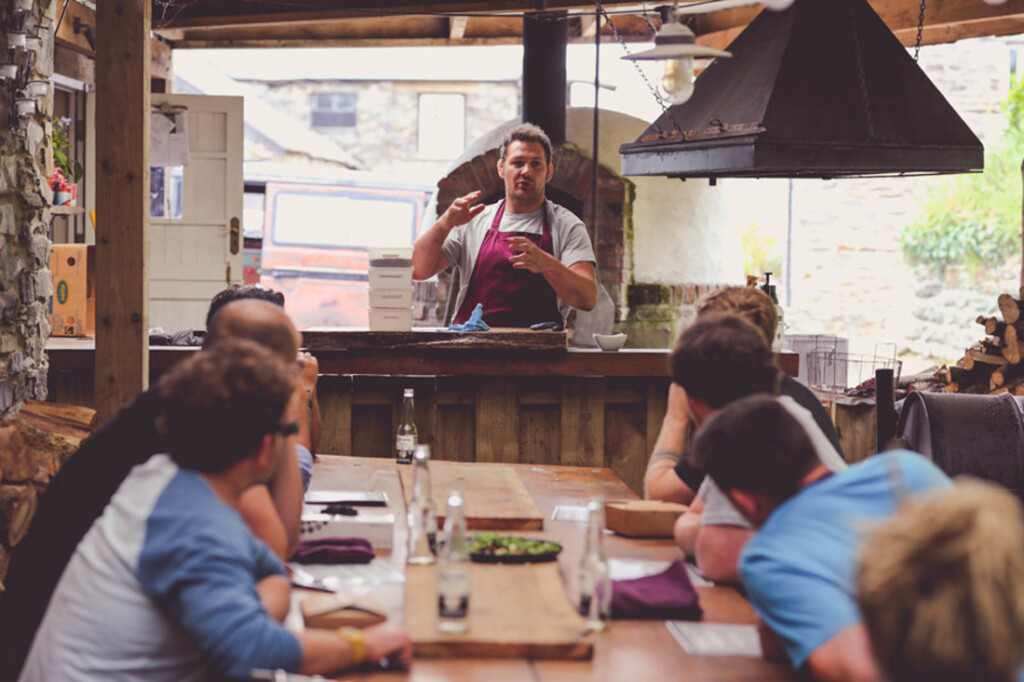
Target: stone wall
25, 282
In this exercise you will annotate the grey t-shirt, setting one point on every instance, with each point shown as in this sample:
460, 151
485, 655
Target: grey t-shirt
570, 242
719, 509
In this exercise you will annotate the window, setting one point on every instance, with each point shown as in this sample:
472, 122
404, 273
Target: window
334, 110
342, 219
442, 125
166, 188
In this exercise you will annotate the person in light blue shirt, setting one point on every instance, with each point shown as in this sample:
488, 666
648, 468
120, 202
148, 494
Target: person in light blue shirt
941, 587
169, 583
799, 567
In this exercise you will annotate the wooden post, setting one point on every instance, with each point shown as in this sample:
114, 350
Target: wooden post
1022, 231
122, 202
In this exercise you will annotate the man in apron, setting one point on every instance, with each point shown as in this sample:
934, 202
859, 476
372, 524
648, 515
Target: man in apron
519, 257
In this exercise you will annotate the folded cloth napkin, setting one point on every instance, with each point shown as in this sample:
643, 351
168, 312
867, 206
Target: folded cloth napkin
475, 323
668, 595
334, 551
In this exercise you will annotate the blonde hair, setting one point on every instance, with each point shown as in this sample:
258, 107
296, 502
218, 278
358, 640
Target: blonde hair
941, 587
748, 302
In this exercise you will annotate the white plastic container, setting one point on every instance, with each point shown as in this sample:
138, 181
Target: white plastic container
397, 257
390, 320
390, 278
391, 298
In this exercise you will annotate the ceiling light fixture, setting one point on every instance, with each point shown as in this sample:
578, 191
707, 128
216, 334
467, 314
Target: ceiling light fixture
676, 46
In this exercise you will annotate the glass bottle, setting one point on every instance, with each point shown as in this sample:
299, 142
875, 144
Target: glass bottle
595, 583
453, 570
405, 437
422, 516
780, 327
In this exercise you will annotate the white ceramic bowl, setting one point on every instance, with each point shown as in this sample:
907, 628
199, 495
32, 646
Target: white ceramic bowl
610, 341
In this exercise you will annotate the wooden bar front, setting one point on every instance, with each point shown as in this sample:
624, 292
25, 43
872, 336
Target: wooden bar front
576, 407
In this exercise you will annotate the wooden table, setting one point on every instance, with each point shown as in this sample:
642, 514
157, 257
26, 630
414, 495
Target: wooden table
638, 650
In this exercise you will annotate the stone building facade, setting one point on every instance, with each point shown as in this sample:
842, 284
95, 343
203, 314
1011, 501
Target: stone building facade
25, 282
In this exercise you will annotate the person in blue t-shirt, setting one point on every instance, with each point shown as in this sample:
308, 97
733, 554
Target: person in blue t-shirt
799, 567
941, 587
169, 583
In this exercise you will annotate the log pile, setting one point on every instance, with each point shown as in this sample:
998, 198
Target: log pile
34, 444
994, 364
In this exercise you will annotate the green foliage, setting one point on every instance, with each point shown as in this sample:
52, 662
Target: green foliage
974, 221
760, 251
71, 169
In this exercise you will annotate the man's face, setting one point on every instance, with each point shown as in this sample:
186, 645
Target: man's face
525, 170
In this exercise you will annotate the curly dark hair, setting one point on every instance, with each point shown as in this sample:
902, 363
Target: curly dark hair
526, 132
237, 292
218, 404
723, 357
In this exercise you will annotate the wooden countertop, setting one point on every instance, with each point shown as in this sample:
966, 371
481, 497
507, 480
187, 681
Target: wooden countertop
68, 354
630, 649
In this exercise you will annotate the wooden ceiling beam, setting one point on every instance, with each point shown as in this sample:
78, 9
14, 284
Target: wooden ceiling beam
945, 21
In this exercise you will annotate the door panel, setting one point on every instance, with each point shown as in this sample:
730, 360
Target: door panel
190, 258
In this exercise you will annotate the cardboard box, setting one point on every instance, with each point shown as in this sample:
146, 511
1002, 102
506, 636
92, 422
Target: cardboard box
331, 611
73, 305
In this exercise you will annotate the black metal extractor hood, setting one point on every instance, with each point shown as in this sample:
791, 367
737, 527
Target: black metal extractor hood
820, 90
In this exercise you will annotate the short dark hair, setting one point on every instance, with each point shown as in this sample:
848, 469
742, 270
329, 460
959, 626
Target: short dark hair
722, 357
218, 404
526, 132
237, 292
755, 444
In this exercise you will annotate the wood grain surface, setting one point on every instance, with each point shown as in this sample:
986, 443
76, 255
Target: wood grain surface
628, 650
426, 339
495, 497
514, 612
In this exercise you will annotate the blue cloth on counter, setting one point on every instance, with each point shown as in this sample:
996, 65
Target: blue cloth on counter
475, 323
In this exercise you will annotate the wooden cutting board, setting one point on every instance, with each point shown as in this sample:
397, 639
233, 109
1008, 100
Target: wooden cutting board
498, 338
495, 497
514, 612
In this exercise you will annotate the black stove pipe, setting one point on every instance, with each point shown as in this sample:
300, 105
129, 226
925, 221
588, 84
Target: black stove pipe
545, 36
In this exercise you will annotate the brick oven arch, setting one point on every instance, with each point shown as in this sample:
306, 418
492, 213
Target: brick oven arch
572, 185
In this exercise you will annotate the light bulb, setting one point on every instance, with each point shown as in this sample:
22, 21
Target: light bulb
677, 82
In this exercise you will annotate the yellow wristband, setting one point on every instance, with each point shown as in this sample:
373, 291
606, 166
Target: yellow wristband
356, 643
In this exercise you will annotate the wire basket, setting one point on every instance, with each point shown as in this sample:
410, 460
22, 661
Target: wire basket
851, 374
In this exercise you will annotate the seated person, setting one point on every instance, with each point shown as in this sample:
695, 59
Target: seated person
169, 584
82, 488
941, 587
798, 569
670, 477
720, 358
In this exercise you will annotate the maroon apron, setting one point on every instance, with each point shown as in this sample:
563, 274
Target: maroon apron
511, 297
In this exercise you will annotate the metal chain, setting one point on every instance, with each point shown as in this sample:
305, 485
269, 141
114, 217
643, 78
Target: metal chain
650, 86
920, 31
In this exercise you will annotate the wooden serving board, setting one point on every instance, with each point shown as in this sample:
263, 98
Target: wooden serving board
514, 612
354, 339
495, 497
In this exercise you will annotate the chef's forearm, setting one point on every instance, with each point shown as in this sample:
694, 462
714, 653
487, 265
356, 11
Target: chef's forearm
427, 257
575, 284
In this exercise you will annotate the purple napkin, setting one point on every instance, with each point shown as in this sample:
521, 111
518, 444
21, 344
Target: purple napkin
334, 551
668, 595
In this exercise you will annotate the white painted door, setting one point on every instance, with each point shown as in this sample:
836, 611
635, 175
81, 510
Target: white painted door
194, 256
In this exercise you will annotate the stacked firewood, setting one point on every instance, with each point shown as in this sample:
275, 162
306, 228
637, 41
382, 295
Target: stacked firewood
33, 446
993, 365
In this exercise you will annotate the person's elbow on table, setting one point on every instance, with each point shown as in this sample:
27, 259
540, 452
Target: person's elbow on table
687, 526
847, 657
664, 484
717, 552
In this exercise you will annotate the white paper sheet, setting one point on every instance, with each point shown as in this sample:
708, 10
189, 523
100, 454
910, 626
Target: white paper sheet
716, 639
